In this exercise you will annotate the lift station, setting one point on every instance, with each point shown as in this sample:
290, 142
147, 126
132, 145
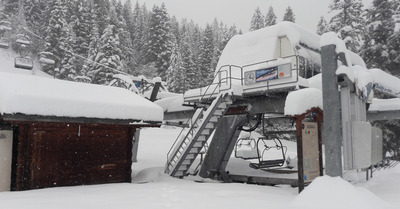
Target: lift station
271, 75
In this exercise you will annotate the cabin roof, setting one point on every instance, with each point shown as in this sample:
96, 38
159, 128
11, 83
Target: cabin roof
48, 99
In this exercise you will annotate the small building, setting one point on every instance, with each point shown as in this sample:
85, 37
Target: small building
61, 133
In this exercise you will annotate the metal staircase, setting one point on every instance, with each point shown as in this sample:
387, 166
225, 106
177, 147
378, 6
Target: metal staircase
189, 144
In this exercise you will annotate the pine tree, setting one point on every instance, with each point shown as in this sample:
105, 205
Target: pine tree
380, 27
192, 75
289, 15
68, 62
80, 22
257, 22
159, 40
348, 23
10, 7
381, 49
59, 41
394, 41
206, 56
322, 26
140, 33
108, 58
176, 73
93, 44
125, 41
102, 8
34, 16
35, 20
270, 18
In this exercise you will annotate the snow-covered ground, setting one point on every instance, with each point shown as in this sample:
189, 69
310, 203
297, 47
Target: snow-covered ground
162, 191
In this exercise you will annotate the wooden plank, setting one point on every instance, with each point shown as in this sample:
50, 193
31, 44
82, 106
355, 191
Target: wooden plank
262, 180
65, 154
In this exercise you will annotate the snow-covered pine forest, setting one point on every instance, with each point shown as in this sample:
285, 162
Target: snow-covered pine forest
92, 40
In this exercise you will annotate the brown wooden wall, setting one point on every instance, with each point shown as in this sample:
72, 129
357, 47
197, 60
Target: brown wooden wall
66, 154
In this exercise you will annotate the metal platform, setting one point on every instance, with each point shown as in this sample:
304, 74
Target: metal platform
263, 180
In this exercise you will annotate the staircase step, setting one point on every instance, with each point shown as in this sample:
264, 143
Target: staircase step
202, 138
218, 112
198, 144
214, 119
223, 105
206, 132
187, 162
179, 174
210, 125
190, 156
183, 167
194, 150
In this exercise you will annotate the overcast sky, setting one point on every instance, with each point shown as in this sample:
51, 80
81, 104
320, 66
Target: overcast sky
240, 12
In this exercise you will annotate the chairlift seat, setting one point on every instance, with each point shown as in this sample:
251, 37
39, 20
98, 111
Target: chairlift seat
4, 44
247, 154
267, 164
249, 150
23, 63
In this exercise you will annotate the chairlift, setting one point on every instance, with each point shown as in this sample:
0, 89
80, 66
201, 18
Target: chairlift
4, 27
264, 163
23, 63
246, 148
4, 43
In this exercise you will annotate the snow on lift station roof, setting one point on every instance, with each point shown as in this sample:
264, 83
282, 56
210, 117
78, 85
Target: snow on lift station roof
259, 46
33, 95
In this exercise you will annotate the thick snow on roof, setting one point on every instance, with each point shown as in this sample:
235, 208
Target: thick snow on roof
173, 104
384, 105
300, 101
258, 46
385, 82
33, 95
332, 38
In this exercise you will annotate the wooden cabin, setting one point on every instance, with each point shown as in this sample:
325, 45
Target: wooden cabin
67, 133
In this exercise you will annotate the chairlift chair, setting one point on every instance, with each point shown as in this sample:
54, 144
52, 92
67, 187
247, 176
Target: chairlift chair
267, 163
23, 63
4, 27
4, 43
246, 148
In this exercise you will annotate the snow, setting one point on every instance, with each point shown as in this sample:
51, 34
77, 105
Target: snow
173, 104
386, 83
384, 105
300, 101
33, 95
361, 76
259, 46
332, 38
315, 82
162, 191
334, 192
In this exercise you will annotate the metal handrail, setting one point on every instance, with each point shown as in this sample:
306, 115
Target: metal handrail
190, 120
230, 78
